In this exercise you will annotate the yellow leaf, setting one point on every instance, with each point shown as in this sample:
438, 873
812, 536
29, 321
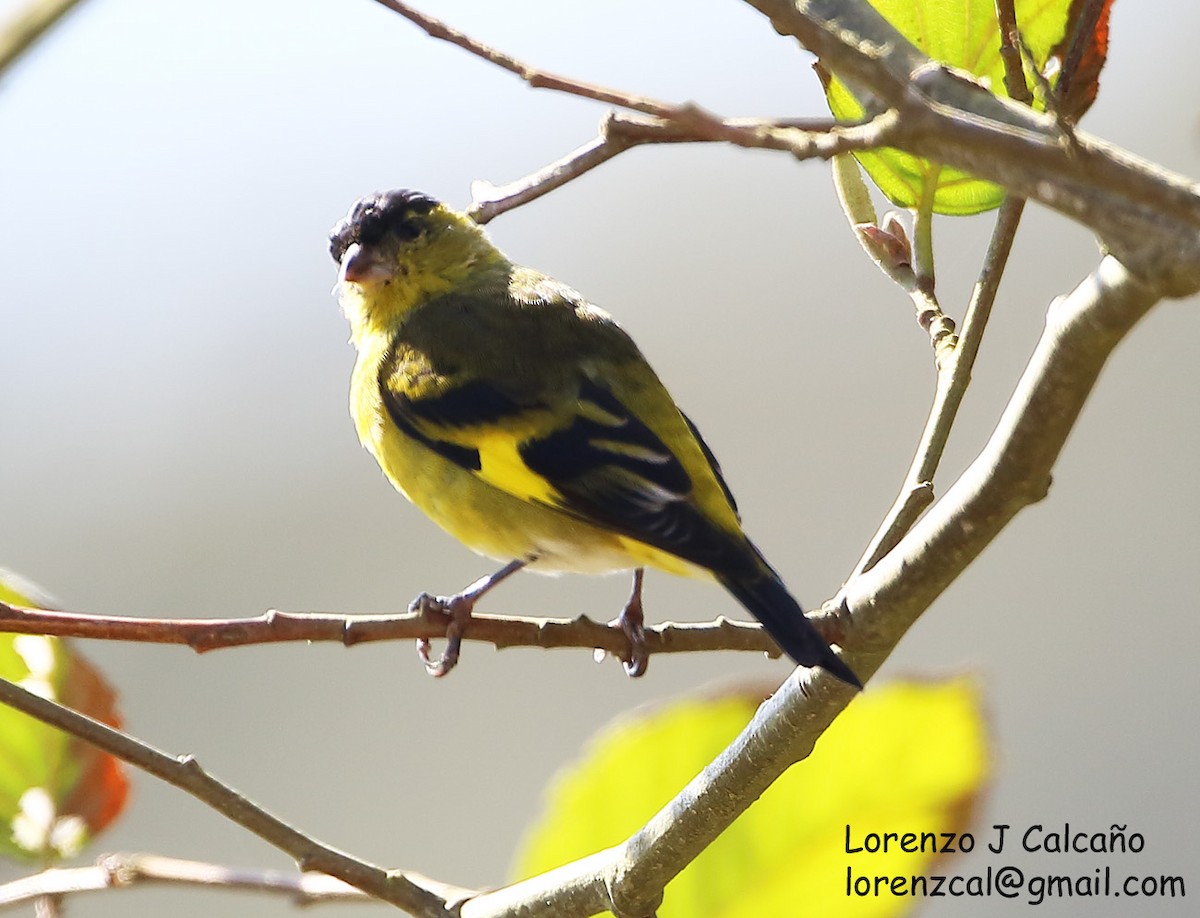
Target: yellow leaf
966, 36
909, 757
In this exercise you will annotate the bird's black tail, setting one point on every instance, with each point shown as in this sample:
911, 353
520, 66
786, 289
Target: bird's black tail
768, 600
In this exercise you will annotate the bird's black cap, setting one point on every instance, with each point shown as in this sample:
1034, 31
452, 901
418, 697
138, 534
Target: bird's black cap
373, 217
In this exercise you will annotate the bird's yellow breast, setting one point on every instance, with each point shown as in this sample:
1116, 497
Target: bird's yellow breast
487, 519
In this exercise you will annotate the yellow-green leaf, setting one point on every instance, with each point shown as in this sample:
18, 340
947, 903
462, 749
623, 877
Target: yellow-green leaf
55, 791
910, 756
966, 36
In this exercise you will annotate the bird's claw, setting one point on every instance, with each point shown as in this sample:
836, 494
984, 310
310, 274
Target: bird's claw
426, 604
455, 608
631, 623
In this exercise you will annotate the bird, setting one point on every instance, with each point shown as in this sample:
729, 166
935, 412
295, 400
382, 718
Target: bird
525, 421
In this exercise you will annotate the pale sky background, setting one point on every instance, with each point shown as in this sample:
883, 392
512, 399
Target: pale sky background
175, 438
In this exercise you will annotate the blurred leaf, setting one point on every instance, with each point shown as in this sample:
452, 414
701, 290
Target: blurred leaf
1082, 61
966, 36
55, 791
100, 791
911, 756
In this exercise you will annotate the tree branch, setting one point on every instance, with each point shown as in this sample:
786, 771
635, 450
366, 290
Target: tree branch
1012, 472
1010, 52
954, 375
126, 871
501, 631
202, 634
536, 78
628, 879
621, 132
408, 891
687, 124
953, 379
1147, 216
661, 122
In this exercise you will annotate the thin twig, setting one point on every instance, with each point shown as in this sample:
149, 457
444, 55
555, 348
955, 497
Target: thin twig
401, 889
983, 297
1010, 52
1048, 96
203, 634
923, 260
953, 377
803, 139
917, 491
663, 122
126, 871
938, 325
935, 322
955, 356
489, 201
536, 78
695, 123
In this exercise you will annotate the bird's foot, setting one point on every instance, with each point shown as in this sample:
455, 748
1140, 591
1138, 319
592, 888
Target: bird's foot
631, 623
457, 609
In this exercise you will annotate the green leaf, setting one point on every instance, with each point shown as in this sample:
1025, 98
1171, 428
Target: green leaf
55, 791
966, 36
911, 756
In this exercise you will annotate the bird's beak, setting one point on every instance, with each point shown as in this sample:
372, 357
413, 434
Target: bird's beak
362, 266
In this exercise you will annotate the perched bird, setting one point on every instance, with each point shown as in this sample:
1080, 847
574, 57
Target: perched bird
524, 421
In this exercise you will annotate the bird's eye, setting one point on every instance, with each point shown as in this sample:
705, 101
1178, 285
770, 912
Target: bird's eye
408, 230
